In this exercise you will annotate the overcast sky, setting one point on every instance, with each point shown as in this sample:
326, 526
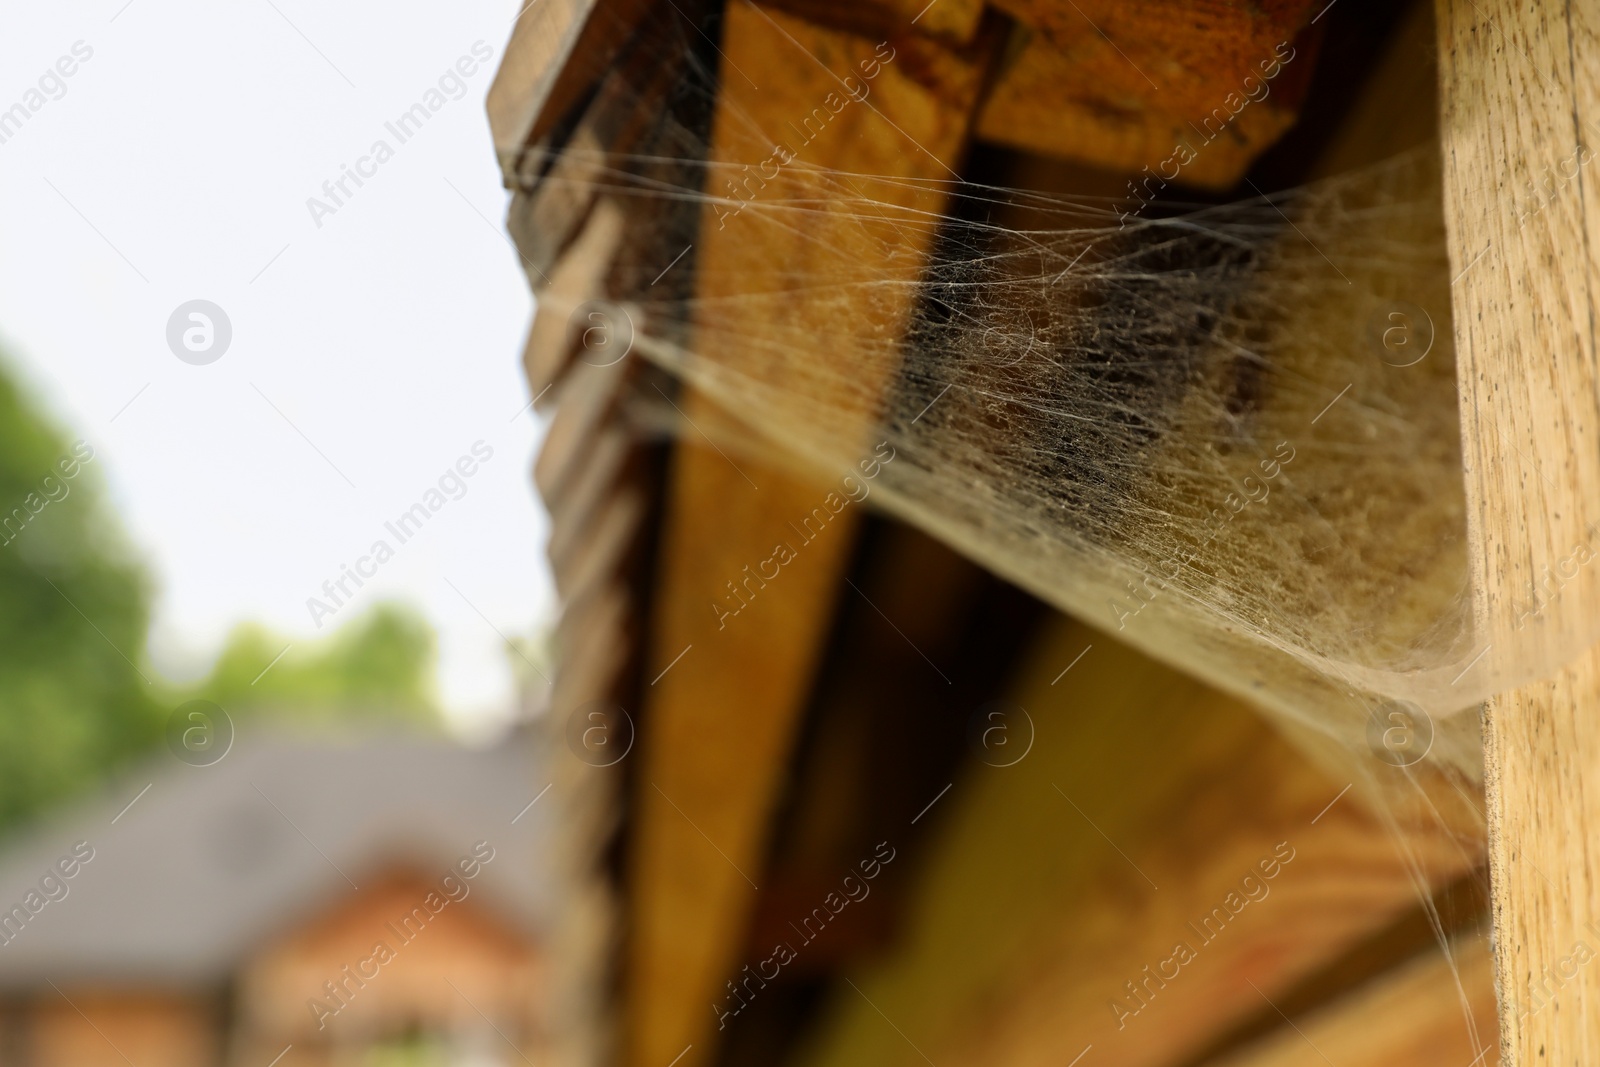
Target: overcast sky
368, 353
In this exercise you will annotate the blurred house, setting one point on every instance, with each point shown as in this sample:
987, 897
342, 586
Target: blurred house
298, 902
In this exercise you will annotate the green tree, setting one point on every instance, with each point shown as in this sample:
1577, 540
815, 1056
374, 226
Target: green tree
74, 610
77, 697
376, 669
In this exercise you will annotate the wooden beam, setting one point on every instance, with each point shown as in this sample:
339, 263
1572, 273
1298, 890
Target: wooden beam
728, 691
1434, 1010
952, 21
1147, 803
1122, 85
929, 636
1520, 98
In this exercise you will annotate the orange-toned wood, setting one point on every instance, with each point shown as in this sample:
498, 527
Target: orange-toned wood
1192, 89
728, 691
1151, 813
1433, 1010
558, 49
953, 21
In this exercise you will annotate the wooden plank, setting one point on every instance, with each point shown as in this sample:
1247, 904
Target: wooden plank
953, 21
557, 51
593, 486
543, 222
1520, 87
555, 184
577, 276
594, 642
929, 636
542, 39
1434, 1010
1184, 43
719, 725
1049, 919
1192, 89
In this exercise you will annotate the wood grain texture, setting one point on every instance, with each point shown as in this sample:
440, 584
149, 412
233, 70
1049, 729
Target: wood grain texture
1434, 1010
1123, 85
1048, 920
576, 277
541, 42
1542, 779
557, 51
1519, 85
953, 21
1086, 104
718, 729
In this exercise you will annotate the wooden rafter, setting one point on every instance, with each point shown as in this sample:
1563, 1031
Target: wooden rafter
722, 713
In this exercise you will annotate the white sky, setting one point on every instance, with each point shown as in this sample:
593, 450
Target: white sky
390, 337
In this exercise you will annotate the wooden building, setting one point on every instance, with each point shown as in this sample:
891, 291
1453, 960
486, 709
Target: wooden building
184, 919
889, 808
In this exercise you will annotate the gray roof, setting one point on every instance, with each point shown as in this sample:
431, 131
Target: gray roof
210, 862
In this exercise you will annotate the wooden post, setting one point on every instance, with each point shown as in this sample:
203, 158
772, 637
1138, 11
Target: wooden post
1520, 99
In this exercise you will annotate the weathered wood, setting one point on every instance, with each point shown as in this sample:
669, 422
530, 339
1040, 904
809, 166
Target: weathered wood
542, 222
1542, 763
593, 487
1029, 937
1435, 1010
1519, 86
1192, 89
953, 21
593, 640
575, 278
718, 728
928, 636
555, 182
557, 51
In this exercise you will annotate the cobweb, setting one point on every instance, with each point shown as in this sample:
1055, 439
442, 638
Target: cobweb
1229, 436
1226, 434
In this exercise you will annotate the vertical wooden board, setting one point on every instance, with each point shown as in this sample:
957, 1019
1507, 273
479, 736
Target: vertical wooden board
1517, 116
1542, 764
1518, 86
728, 689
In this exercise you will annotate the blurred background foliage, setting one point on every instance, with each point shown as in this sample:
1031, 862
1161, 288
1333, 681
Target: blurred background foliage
379, 666
77, 696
